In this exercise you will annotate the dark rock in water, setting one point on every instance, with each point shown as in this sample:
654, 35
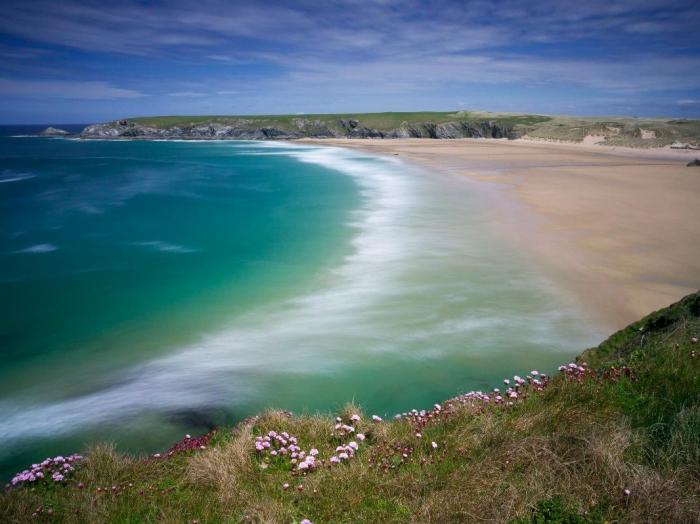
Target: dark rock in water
53, 131
209, 418
695, 162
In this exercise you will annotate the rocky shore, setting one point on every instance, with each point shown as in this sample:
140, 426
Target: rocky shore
253, 129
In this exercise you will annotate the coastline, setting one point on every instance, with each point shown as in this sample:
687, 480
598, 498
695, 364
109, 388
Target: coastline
617, 227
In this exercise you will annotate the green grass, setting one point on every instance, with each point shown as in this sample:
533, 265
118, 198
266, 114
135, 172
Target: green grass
615, 131
380, 121
563, 455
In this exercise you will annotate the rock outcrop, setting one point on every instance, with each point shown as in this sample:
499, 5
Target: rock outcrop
53, 131
250, 129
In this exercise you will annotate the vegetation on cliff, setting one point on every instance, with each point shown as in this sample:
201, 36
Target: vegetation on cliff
623, 131
612, 437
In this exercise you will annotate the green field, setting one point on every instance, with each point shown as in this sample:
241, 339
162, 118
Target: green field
614, 131
616, 442
379, 121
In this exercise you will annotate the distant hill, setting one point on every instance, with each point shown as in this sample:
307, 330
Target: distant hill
620, 131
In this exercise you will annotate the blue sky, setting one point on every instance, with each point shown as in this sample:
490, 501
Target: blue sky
85, 61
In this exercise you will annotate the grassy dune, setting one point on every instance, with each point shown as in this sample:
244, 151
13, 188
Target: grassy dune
616, 440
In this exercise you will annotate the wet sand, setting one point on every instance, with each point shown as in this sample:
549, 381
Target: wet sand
619, 228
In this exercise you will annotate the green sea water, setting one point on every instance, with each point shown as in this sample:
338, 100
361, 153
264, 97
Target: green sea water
152, 289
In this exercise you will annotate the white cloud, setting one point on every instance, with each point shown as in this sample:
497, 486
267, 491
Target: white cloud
188, 94
89, 90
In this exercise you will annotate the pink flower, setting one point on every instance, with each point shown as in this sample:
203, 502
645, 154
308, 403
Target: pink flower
434, 444
375, 418
355, 418
361, 437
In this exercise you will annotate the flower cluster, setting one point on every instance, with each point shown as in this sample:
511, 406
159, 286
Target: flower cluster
574, 371
189, 443
342, 429
285, 445
615, 373
56, 469
516, 389
420, 419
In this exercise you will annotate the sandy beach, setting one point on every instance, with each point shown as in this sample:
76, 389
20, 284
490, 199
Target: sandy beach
619, 228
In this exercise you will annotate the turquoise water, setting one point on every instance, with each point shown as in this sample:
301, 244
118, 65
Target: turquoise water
152, 289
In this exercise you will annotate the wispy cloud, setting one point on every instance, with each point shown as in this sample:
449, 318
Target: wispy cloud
188, 94
79, 90
336, 50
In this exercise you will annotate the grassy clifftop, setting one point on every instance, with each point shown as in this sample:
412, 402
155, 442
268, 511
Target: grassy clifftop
613, 437
619, 131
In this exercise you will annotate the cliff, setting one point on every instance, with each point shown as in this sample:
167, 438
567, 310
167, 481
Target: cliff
612, 437
254, 129
614, 131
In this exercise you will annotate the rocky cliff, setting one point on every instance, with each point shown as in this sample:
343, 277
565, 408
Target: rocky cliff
53, 131
254, 129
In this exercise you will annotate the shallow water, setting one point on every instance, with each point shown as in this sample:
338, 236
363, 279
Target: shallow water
156, 288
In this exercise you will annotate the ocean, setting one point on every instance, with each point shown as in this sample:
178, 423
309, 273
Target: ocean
156, 288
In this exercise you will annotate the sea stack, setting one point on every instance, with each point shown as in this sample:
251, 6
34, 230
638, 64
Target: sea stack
53, 131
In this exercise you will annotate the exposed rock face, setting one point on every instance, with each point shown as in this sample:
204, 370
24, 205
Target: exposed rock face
53, 131
249, 129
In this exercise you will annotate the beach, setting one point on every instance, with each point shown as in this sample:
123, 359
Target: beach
617, 227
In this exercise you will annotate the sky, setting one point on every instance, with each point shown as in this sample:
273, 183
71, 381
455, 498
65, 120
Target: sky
74, 61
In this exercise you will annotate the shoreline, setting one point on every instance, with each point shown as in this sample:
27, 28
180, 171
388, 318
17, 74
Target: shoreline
616, 227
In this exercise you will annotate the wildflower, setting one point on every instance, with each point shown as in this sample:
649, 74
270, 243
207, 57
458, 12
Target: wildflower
534, 373
334, 460
306, 521
434, 444
355, 418
626, 492
313, 452
353, 445
360, 437
419, 435
343, 456
188, 436
375, 418
506, 382
57, 477
285, 486
157, 455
